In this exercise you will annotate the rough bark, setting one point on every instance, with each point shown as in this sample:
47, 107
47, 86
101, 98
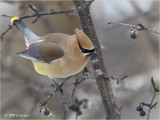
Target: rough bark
101, 75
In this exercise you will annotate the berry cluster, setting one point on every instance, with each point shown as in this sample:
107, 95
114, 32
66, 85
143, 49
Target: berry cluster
133, 35
77, 104
140, 109
45, 112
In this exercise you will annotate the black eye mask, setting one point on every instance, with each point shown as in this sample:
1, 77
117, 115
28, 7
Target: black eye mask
85, 50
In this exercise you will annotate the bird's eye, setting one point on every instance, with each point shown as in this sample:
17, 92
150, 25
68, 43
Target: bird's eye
85, 50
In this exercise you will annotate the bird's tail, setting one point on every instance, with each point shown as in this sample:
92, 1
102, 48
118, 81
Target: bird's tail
30, 37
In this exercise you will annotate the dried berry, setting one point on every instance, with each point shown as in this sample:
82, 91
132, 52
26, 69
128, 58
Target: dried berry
139, 108
85, 100
85, 103
142, 113
79, 113
85, 106
45, 112
133, 35
61, 91
73, 107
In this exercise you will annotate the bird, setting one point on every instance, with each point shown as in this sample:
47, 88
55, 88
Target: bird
56, 55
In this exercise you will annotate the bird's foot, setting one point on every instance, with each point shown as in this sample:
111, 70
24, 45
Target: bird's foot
58, 88
86, 71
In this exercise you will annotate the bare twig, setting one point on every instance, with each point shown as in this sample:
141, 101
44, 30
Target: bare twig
151, 105
58, 88
100, 71
77, 82
9, 28
52, 12
76, 116
70, 99
47, 23
34, 104
37, 14
119, 79
154, 86
42, 104
34, 9
139, 27
49, 13
7, 16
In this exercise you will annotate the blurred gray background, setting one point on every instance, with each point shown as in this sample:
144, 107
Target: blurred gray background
23, 88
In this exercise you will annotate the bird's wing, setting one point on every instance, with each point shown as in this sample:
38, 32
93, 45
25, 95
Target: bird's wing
43, 52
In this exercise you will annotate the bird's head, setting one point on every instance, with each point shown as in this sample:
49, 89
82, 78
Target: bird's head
85, 44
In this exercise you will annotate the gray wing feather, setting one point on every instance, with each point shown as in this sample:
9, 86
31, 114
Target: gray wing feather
32, 53
29, 56
43, 54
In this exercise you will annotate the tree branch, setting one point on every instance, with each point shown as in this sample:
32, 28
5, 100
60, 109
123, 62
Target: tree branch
38, 15
151, 105
102, 78
72, 99
138, 27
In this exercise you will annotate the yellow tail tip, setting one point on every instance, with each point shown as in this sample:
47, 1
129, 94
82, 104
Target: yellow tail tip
14, 18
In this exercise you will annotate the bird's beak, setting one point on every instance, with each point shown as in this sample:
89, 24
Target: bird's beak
94, 52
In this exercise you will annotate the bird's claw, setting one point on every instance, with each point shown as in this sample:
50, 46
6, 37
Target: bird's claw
86, 71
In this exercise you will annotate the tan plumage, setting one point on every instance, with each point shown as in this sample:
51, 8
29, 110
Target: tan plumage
73, 60
83, 39
57, 55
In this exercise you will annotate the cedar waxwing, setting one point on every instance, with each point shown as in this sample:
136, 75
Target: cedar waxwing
57, 54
